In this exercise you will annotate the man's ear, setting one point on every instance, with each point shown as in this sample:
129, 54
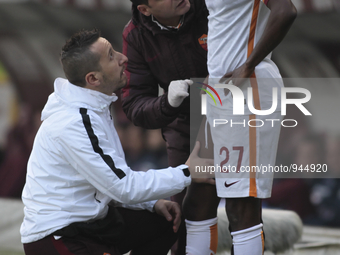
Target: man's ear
92, 79
144, 9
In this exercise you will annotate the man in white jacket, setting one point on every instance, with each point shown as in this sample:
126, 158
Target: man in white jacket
77, 167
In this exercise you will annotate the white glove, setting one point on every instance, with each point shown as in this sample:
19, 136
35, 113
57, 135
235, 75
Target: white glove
178, 90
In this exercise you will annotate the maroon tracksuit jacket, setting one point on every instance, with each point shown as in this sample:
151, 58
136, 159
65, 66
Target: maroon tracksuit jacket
157, 57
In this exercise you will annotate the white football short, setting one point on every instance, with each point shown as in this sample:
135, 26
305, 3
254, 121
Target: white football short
245, 148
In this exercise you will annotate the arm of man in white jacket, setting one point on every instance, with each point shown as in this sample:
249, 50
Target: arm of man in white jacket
103, 165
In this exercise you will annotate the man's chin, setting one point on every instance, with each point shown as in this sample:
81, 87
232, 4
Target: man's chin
122, 84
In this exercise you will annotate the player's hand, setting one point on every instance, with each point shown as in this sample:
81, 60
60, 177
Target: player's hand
195, 161
170, 210
237, 77
178, 90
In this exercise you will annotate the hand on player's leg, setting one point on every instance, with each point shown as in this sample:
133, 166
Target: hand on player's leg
197, 164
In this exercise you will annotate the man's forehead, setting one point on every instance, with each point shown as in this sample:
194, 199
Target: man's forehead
106, 42
101, 45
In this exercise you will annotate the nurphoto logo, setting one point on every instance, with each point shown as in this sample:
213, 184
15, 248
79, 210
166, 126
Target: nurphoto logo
239, 102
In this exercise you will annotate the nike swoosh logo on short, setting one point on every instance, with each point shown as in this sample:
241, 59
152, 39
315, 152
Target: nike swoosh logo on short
228, 185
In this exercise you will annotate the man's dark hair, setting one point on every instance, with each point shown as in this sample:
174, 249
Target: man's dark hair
76, 57
138, 2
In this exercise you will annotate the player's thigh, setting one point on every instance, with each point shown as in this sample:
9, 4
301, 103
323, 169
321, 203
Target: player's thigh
205, 139
243, 147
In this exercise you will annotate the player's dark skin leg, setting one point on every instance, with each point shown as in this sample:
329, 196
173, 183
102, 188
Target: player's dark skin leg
243, 212
178, 248
201, 201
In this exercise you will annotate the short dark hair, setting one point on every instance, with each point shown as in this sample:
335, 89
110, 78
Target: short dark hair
76, 57
138, 2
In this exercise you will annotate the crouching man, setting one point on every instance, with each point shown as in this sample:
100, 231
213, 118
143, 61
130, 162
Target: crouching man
80, 196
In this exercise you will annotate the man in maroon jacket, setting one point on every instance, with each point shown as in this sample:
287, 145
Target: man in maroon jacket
165, 42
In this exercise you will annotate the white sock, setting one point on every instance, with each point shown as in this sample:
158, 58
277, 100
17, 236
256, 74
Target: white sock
248, 241
201, 237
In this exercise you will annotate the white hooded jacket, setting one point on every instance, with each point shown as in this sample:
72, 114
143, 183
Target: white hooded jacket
77, 166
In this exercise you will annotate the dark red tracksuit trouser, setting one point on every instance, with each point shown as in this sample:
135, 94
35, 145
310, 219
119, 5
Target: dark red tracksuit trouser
145, 233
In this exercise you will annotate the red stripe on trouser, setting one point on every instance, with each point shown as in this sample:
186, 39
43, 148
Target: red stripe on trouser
47, 245
60, 247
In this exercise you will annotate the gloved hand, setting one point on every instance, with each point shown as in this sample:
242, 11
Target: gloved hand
178, 90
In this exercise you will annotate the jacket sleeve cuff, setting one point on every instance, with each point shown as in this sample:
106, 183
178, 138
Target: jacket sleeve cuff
186, 173
167, 109
150, 206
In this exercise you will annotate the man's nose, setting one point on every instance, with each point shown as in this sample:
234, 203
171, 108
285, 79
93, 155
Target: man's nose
123, 59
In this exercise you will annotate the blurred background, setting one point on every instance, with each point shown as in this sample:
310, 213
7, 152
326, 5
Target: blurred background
32, 33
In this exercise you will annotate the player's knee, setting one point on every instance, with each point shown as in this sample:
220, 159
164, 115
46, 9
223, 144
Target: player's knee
200, 204
243, 212
234, 219
189, 207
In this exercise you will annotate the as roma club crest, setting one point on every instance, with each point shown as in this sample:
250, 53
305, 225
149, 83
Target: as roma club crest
203, 41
